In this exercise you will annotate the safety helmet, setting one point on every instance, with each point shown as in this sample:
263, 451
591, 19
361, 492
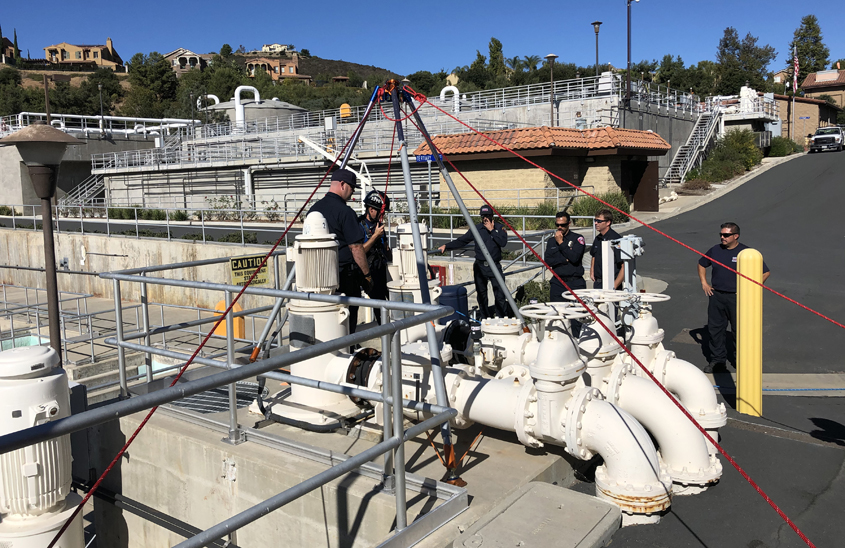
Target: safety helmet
375, 198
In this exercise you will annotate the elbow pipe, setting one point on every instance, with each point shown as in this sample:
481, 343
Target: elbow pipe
696, 392
632, 476
683, 448
456, 97
240, 114
207, 96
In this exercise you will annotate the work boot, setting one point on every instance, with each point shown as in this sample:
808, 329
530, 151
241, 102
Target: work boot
715, 367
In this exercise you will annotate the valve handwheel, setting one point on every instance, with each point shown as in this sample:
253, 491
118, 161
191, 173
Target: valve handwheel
650, 297
600, 295
554, 311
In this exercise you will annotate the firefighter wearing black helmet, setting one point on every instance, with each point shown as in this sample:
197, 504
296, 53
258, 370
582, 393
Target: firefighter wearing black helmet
375, 244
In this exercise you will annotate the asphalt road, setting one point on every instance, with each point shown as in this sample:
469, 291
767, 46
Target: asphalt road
796, 451
793, 215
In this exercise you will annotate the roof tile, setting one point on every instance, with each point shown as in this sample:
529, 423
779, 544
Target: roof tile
534, 138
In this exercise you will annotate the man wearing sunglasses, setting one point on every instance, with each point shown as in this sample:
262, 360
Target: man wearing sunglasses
564, 255
603, 221
343, 223
494, 237
721, 308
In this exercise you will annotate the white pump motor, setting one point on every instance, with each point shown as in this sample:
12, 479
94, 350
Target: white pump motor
35, 497
315, 255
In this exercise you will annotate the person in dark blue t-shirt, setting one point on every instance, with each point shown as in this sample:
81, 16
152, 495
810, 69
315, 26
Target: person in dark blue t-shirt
343, 223
721, 290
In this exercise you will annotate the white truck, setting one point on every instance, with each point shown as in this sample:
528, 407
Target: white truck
827, 138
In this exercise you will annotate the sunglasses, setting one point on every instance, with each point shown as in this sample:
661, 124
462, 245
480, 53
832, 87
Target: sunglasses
601, 220
561, 224
726, 234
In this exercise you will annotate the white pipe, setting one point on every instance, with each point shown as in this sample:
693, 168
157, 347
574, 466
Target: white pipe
492, 402
208, 96
696, 392
631, 476
456, 98
682, 446
240, 115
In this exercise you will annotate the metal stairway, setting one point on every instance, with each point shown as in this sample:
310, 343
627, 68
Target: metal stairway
84, 192
691, 154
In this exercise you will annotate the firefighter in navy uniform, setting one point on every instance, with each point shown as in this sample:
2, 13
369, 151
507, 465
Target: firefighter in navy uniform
352, 262
495, 237
564, 253
375, 244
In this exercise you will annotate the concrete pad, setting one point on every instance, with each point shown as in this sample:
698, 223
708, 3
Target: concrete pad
541, 515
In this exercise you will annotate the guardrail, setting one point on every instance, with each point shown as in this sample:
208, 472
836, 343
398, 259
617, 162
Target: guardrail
77, 123
255, 220
394, 433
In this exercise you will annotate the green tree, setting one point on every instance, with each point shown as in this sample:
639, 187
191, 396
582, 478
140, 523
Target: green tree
497, 58
17, 50
154, 86
812, 53
477, 73
531, 62
226, 50
304, 53
424, 81
741, 61
672, 72
838, 65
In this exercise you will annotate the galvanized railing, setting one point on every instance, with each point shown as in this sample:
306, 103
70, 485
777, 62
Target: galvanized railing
394, 434
77, 123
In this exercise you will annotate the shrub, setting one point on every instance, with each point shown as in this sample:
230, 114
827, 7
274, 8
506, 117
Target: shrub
734, 154
235, 238
587, 206
781, 146
533, 290
179, 216
716, 170
5, 210
197, 237
695, 184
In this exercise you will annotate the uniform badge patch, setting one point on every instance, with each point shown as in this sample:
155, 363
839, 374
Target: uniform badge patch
581, 240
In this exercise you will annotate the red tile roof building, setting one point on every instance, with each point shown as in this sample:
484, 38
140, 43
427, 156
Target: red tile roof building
599, 160
826, 82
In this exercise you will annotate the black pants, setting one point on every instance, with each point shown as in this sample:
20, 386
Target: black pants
557, 290
350, 285
483, 274
379, 290
721, 310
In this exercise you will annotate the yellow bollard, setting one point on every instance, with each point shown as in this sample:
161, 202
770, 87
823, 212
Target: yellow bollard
238, 324
749, 336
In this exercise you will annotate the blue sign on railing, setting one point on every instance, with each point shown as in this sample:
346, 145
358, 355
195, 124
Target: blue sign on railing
803, 117
427, 157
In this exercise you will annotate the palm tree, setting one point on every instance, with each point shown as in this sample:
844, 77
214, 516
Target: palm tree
514, 63
531, 61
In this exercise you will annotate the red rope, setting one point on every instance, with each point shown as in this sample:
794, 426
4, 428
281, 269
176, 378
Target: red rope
383, 113
643, 223
636, 360
194, 355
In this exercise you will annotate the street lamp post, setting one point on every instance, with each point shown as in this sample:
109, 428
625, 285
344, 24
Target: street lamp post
191, 97
41, 148
551, 59
628, 84
596, 25
102, 124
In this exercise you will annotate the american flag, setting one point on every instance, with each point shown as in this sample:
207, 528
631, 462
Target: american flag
795, 72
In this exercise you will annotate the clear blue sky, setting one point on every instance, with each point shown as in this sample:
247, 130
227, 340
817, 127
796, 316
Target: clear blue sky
425, 35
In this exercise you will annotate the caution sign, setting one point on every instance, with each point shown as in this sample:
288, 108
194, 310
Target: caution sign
243, 267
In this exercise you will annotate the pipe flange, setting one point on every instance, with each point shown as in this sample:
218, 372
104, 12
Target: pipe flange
526, 416
641, 499
614, 381
519, 373
691, 482
575, 409
459, 421
713, 419
654, 338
